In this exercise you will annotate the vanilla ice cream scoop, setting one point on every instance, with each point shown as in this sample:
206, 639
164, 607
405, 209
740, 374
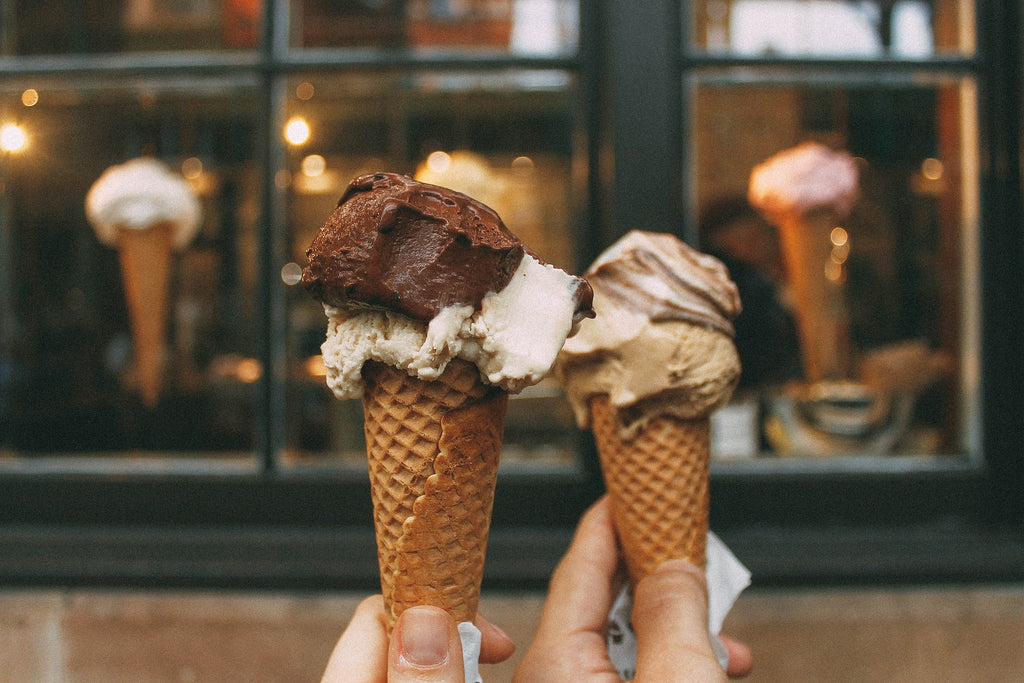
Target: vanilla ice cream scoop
662, 339
146, 211
414, 275
139, 194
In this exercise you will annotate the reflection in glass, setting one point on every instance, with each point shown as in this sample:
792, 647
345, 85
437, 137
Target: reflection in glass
69, 363
102, 26
855, 342
522, 27
906, 29
506, 139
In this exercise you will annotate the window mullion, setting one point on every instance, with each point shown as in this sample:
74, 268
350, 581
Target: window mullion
272, 319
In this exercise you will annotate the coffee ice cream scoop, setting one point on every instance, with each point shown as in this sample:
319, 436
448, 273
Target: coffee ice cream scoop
662, 340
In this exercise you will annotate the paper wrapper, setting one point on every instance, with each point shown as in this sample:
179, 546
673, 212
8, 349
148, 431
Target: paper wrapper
433, 450
146, 258
726, 579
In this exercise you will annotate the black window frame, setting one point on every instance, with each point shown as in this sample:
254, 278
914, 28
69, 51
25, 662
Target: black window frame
292, 529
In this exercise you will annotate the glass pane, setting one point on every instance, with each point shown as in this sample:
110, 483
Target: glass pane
911, 29
506, 139
857, 331
98, 26
84, 369
522, 27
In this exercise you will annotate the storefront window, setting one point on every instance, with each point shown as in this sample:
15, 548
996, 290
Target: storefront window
859, 330
82, 373
79, 378
229, 462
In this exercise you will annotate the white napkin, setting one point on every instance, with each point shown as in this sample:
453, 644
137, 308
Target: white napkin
726, 578
470, 636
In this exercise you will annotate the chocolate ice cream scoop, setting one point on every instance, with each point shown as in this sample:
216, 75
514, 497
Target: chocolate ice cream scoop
398, 244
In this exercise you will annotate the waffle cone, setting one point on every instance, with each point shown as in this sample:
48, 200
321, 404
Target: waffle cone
146, 257
807, 250
433, 449
658, 485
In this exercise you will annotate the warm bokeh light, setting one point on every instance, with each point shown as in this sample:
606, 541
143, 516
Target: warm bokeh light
932, 168
296, 131
192, 168
314, 165
439, 162
839, 236
840, 253
315, 366
834, 272
522, 165
291, 273
249, 370
30, 97
12, 138
305, 90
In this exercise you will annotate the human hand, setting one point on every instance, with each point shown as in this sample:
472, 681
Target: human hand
670, 617
424, 646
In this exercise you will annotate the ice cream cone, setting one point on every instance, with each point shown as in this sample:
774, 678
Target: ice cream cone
658, 485
146, 257
816, 281
433, 450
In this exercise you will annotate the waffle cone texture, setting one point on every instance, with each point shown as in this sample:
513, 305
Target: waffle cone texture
146, 260
658, 486
433, 450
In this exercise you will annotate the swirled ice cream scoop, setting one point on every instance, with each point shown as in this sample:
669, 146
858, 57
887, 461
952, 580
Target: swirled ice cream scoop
802, 179
414, 275
138, 195
662, 340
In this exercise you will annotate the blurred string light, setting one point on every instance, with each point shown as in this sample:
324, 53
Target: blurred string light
30, 97
439, 162
192, 168
12, 138
840, 239
523, 165
932, 169
296, 131
291, 273
314, 165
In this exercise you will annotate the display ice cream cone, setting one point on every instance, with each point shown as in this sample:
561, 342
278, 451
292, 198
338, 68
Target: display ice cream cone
804, 191
433, 450
815, 278
657, 481
146, 257
146, 211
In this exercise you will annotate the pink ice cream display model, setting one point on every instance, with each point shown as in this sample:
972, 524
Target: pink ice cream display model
805, 192
147, 212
